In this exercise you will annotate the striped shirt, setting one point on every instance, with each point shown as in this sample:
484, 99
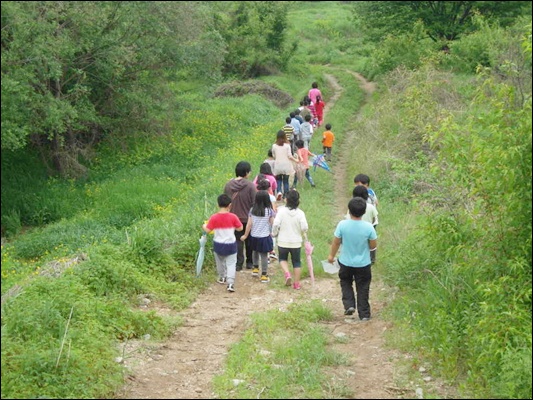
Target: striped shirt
261, 225
289, 131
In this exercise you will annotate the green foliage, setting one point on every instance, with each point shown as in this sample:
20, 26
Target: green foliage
255, 33
444, 21
491, 46
406, 50
468, 292
73, 70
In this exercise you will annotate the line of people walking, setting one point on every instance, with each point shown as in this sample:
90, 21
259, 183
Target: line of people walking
258, 216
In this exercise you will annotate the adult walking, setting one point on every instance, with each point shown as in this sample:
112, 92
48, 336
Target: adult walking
282, 153
242, 193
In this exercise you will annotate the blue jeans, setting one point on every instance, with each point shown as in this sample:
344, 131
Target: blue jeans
283, 183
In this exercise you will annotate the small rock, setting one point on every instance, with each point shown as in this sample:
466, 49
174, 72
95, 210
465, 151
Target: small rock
427, 378
419, 393
237, 382
422, 369
145, 301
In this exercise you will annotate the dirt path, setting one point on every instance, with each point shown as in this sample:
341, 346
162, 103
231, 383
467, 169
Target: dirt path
184, 365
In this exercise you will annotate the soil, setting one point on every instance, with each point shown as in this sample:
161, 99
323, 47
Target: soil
184, 365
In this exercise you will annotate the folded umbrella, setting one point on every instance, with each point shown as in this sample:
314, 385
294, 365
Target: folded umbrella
200, 255
308, 252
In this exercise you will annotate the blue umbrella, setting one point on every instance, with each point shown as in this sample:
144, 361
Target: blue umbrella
319, 161
200, 255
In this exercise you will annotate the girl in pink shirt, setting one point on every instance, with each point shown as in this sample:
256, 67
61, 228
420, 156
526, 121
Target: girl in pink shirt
266, 170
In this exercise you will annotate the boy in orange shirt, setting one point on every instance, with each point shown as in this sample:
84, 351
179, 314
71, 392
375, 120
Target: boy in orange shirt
327, 141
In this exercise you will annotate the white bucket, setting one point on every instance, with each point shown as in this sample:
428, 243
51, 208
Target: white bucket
331, 268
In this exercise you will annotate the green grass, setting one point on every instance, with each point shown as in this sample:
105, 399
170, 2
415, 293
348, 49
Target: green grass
281, 356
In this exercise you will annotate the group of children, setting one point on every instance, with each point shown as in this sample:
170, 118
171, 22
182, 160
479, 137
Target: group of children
249, 224
255, 234
291, 151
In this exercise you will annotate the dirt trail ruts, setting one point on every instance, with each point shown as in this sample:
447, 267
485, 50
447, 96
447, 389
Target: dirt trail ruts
184, 365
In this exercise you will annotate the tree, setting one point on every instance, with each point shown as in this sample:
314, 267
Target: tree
73, 71
254, 32
444, 20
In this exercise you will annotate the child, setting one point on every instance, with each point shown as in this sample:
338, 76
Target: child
270, 159
306, 131
298, 116
371, 213
362, 179
319, 109
371, 198
258, 228
305, 109
290, 227
327, 141
358, 237
289, 131
267, 173
264, 184
295, 122
303, 156
224, 223
312, 111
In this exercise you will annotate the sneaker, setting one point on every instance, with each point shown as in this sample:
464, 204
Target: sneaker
288, 280
255, 272
249, 266
238, 268
365, 319
272, 255
265, 279
297, 286
231, 288
349, 311
221, 280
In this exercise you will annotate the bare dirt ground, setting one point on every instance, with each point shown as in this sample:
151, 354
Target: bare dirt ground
183, 366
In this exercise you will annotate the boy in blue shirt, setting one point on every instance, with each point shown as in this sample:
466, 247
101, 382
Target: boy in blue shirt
357, 237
